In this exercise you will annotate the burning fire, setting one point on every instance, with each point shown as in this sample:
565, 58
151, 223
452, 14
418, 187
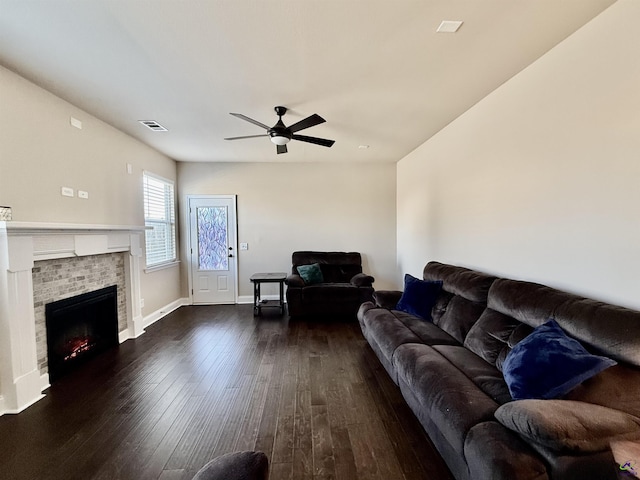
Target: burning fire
77, 346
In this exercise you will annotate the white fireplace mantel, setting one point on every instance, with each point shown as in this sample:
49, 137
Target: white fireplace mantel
22, 244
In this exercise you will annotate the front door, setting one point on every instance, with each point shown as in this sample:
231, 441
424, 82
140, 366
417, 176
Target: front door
213, 261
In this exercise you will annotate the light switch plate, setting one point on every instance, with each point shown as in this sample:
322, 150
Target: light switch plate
244, 246
67, 191
83, 194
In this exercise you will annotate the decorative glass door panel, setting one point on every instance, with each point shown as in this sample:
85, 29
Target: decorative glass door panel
212, 236
213, 241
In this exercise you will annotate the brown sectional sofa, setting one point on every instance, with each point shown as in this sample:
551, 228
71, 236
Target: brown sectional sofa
450, 373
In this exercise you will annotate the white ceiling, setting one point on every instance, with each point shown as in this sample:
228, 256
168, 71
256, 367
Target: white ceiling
376, 70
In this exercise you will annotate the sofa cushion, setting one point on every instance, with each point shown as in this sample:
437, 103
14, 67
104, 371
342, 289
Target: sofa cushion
548, 364
617, 387
495, 453
311, 274
490, 335
466, 283
337, 267
457, 316
387, 298
608, 329
450, 399
386, 330
487, 377
565, 425
330, 292
419, 296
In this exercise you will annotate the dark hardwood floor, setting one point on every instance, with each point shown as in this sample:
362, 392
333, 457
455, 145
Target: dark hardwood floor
205, 381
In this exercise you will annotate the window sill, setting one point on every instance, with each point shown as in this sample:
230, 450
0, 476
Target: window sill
161, 266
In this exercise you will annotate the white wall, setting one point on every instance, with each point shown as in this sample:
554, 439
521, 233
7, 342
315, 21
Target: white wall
40, 152
283, 207
541, 179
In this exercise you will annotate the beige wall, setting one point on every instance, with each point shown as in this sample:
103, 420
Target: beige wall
40, 152
541, 179
283, 207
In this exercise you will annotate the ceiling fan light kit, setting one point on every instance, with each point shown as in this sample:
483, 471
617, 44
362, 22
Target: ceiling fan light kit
280, 134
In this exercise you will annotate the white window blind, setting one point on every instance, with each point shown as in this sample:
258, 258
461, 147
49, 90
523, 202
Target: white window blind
159, 213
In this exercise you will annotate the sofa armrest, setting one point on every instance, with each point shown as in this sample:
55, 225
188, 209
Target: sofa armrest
387, 298
362, 280
294, 280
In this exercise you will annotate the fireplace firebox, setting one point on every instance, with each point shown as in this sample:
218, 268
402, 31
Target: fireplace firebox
80, 327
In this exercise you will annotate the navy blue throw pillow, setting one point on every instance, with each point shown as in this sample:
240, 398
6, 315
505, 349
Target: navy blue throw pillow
547, 364
419, 296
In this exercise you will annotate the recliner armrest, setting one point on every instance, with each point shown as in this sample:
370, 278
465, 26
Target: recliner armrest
387, 298
294, 280
362, 280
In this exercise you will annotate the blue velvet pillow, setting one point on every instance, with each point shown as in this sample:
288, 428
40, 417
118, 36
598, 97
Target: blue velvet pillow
311, 274
419, 296
547, 364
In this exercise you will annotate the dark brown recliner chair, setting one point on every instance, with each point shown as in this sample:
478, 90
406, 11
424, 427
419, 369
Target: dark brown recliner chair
343, 289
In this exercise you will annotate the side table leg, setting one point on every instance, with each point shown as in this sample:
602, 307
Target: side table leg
256, 298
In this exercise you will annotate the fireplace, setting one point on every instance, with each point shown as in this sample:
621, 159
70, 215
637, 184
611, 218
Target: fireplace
80, 327
41, 263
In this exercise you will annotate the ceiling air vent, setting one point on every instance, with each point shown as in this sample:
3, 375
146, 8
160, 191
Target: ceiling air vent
153, 125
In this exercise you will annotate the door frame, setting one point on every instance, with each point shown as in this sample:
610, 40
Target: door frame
234, 260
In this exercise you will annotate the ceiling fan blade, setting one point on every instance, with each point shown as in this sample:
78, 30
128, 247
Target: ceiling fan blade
310, 121
247, 136
318, 141
281, 148
250, 120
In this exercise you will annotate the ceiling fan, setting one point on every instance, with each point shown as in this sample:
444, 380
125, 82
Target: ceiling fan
281, 134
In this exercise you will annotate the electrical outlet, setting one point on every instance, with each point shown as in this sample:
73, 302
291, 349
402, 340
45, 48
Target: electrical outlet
142, 303
83, 194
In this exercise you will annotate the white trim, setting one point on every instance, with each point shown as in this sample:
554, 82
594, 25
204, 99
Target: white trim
164, 311
234, 200
21, 408
161, 266
172, 221
44, 382
152, 318
22, 244
66, 228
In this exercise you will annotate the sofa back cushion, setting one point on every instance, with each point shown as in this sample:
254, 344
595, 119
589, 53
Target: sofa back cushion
336, 267
603, 328
462, 300
494, 335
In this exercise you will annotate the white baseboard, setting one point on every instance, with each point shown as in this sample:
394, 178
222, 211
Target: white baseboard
5, 411
44, 382
162, 312
154, 317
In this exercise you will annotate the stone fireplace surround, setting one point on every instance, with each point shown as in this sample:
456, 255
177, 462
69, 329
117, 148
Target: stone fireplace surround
22, 244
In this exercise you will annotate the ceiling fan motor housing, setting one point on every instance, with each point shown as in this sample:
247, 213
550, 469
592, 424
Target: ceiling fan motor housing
280, 134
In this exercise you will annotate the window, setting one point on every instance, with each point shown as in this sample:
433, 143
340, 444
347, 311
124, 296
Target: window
159, 213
